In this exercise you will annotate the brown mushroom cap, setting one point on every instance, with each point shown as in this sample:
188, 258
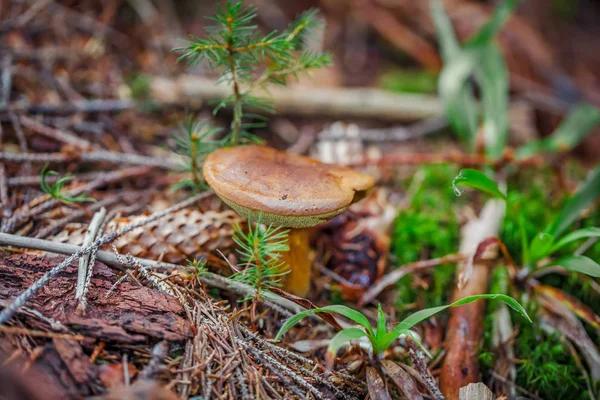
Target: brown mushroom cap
288, 190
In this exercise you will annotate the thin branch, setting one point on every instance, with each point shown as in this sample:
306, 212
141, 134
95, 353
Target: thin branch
170, 163
56, 134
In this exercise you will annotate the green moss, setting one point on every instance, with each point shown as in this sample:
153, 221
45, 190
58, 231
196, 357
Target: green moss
428, 228
534, 202
545, 365
409, 81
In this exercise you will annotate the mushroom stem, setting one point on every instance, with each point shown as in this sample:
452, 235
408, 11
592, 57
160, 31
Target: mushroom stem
297, 281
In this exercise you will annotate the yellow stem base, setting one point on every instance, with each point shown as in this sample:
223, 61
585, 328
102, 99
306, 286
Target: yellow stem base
297, 281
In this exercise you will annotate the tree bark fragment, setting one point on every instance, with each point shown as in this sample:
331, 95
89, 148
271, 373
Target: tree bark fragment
131, 315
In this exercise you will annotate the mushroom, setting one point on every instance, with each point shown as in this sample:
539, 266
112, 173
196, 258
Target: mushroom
287, 190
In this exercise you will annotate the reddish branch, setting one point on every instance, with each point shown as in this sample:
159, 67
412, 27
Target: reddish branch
465, 328
466, 160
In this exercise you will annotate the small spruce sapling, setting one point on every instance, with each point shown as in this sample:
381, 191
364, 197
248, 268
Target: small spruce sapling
194, 140
236, 49
260, 255
56, 190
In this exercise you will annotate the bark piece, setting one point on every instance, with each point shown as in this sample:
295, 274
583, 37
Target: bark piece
476, 391
376, 385
132, 314
402, 380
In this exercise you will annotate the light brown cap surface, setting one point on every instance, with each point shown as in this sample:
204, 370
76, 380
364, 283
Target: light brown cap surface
288, 189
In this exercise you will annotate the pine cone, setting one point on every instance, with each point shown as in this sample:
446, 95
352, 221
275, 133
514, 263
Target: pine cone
183, 235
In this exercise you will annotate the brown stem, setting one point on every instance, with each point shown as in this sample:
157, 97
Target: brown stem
237, 106
297, 281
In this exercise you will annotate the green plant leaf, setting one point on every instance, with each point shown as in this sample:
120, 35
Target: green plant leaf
347, 312
381, 328
341, 338
479, 58
541, 246
586, 194
459, 102
492, 79
582, 264
574, 128
421, 315
448, 43
488, 31
477, 180
524, 240
456, 93
583, 233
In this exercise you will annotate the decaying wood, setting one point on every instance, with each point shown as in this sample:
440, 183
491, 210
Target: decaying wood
334, 103
132, 314
476, 391
461, 364
402, 380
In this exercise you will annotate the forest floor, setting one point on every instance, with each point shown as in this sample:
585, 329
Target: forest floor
92, 90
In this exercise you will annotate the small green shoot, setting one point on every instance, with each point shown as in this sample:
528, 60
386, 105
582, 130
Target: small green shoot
56, 190
260, 252
551, 240
477, 180
198, 267
194, 141
236, 49
587, 193
381, 339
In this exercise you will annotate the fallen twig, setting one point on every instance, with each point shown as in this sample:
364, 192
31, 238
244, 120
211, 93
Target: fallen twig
335, 103
418, 359
11, 330
393, 277
170, 163
56, 134
90, 236
110, 259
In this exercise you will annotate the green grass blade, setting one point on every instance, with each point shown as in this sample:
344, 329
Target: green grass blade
338, 309
524, 240
341, 338
582, 264
492, 79
477, 180
448, 43
457, 96
541, 246
422, 315
459, 102
576, 235
381, 328
587, 193
573, 129
488, 31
